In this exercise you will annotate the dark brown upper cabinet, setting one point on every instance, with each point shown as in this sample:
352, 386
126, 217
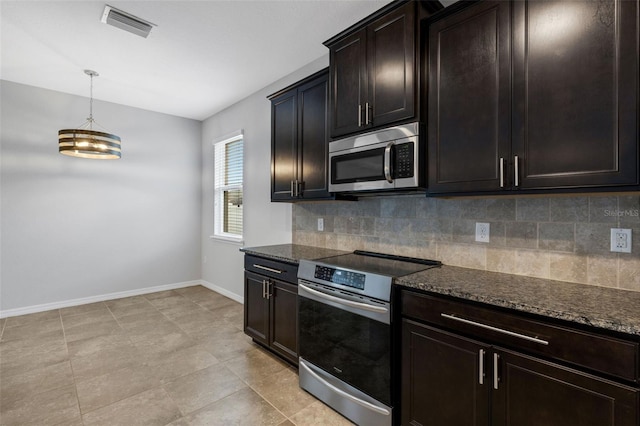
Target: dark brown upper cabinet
373, 72
533, 96
299, 142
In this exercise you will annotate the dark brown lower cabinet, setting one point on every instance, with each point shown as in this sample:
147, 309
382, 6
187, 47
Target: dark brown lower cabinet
448, 379
440, 373
270, 314
532, 392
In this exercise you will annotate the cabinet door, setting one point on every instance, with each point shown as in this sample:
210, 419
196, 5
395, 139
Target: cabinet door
283, 145
284, 319
442, 381
348, 84
313, 139
469, 99
532, 392
391, 67
256, 308
576, 93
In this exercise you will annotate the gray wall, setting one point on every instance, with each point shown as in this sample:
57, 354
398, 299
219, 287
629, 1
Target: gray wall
75, 228
265, 222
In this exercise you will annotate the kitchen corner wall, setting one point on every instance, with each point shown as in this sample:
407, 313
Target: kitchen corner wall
563, 238
265, 222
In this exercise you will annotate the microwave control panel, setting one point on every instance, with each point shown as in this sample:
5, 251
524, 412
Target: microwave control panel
404, 160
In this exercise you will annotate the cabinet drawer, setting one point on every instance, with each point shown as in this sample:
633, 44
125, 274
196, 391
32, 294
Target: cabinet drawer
609, 355
271, 268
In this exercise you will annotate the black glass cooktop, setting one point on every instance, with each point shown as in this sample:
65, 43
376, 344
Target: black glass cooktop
379, 263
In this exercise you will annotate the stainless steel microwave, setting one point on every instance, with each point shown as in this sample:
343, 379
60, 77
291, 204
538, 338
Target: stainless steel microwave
385, 160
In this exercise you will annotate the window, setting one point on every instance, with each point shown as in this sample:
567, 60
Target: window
228, 175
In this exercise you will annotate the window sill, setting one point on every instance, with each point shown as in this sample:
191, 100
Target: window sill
228, 240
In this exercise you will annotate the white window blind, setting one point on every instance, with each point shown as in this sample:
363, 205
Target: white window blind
228, 177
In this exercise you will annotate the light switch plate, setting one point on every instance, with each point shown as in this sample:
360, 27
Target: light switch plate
620, 240
320, 224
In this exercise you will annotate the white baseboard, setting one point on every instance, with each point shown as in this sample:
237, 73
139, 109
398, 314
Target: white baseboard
101, 298
222, 291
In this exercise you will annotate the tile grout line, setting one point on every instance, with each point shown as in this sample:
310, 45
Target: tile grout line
122, 399
73, 376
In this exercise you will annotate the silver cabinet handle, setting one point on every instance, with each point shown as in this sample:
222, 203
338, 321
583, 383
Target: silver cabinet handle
268, 290
366, 113
359, 115
358, 305
387, 162
292, 190
266, 268
515, 168
496, 379
344, 394
501, 172
481, 366
496, 329
264, 291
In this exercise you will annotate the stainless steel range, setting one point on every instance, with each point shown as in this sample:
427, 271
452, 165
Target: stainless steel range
344, 314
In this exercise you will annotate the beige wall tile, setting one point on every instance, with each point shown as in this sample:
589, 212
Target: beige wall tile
501, 260
464, 255
568, 267
522, 234
629, 209
556, 236
603, 209
532, 209
593, 238
569, 209
629, 273
532, 263
602, 270
501, 209
527, 233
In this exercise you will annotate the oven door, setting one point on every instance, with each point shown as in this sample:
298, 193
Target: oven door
347, 337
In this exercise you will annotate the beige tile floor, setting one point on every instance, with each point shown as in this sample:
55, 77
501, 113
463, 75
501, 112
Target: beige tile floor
176, 357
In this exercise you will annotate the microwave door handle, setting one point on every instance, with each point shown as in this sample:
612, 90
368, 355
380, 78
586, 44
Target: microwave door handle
387, 162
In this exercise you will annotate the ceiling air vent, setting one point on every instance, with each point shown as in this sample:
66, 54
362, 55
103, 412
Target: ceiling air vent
126, 21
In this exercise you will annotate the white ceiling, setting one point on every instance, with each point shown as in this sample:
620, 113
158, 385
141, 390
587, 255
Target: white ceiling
202, 57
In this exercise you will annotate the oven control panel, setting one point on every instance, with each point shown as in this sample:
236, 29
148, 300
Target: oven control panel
340, 276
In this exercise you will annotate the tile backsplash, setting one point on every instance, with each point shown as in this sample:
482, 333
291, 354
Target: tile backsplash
564, 238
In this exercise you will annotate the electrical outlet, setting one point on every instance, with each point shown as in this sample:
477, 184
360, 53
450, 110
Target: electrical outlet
320, 224
482, 232
621, 240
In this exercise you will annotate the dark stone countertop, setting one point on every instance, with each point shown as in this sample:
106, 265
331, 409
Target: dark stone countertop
601, 307
292, 253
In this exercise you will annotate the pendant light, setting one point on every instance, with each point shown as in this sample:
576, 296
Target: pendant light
85, 142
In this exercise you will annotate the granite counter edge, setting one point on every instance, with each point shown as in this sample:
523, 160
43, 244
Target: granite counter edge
523, 307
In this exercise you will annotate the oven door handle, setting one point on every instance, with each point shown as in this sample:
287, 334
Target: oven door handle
344, 394
357, 305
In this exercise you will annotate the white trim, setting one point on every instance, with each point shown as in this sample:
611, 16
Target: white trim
222, 291
228, 136
232, 240
92, 299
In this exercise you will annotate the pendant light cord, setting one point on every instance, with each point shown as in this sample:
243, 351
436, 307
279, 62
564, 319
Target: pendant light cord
91, 103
